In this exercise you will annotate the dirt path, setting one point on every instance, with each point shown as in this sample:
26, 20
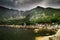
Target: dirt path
38, 38
42, 38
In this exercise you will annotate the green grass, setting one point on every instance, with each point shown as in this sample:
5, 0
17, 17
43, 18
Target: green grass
36, 15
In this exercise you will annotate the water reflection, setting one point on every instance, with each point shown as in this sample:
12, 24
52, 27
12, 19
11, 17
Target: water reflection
19, 34
16, 34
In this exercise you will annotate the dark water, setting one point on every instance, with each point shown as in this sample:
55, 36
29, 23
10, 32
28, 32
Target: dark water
7, 33
16, 34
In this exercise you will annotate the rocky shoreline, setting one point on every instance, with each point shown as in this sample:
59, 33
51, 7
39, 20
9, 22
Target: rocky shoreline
37, 26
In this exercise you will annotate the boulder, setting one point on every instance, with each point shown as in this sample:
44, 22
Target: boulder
56, 36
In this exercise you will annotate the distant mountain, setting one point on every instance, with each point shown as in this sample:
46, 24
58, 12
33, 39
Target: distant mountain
36, 15
7, 13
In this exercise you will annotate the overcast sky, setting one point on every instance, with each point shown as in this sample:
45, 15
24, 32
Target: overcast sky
29, 4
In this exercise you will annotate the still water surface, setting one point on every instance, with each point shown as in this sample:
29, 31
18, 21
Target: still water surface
17, 34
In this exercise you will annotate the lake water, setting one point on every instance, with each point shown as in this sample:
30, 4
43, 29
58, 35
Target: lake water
17, 34
7, 33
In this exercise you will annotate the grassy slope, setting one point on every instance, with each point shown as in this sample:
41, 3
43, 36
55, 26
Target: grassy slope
36, 15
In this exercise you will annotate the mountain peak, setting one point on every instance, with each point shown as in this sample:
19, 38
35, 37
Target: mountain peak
39, 7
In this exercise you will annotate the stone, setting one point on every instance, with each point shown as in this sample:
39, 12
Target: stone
56, 36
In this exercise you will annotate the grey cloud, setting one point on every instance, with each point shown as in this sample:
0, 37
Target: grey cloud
53, 3
19, 3
29, 4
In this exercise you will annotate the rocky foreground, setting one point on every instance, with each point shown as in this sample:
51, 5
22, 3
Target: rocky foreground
53, 37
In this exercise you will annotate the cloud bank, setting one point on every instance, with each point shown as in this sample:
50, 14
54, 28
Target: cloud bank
29, 4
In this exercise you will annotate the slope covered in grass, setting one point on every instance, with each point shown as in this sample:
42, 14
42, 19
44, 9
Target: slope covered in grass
36, 15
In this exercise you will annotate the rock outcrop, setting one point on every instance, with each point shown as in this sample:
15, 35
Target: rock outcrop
56, 36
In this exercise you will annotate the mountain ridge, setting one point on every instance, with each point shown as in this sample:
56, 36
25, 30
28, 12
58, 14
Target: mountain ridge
36, 15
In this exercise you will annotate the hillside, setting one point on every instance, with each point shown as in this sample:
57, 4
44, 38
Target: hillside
45, 15
36, 15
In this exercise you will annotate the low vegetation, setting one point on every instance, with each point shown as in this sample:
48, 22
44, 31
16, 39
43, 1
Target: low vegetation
36, 15
46, 32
